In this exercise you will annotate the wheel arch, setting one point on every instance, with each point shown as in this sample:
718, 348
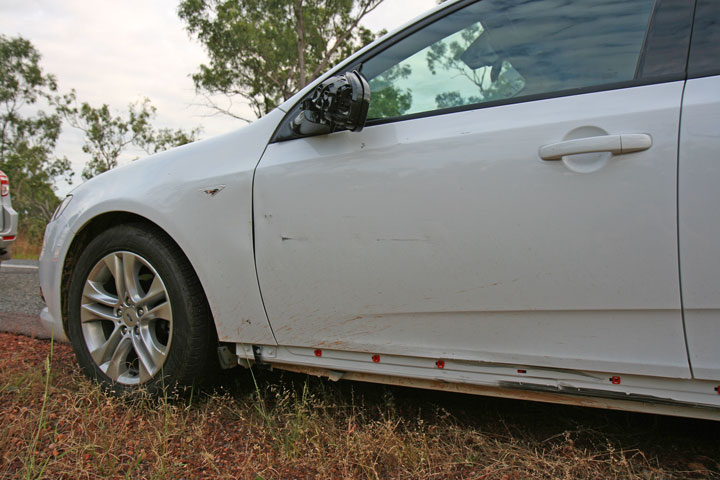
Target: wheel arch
91, 229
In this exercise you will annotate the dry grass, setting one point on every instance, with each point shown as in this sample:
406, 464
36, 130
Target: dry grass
274, 426
24, 249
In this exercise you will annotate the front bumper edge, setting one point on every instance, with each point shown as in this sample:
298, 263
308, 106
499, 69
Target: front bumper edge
53, 326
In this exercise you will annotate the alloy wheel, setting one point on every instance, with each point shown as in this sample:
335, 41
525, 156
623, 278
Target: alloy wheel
126, 318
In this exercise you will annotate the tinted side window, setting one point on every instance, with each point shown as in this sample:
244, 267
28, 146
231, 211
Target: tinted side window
705, 47
668, 41
499, 49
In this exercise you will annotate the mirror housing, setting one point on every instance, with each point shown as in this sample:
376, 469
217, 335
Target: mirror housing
338, 103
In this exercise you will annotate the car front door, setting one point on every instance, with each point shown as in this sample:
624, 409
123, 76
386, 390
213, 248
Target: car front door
512, 199
699, 194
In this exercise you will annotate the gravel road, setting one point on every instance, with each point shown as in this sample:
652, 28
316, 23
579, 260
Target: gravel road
20, 301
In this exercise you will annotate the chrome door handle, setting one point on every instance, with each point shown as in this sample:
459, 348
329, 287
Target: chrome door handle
615, 144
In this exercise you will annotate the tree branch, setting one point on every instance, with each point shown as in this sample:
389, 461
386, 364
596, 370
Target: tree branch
301, 43
367, 8
210, 103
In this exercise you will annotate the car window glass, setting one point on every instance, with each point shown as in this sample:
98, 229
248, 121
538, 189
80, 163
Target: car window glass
499, 49
705, 48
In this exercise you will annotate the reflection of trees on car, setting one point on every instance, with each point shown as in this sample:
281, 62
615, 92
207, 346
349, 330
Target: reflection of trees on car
471, 56
455, 68
389, 100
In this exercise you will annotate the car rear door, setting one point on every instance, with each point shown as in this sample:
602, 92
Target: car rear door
465, 222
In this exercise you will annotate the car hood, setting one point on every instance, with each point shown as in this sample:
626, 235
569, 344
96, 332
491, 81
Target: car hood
238, 149
159, 184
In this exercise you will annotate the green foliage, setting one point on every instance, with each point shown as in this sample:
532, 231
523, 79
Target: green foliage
165, 139
266, 50
108, 135
27, 141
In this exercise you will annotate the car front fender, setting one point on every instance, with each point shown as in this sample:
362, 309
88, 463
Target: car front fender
201, 196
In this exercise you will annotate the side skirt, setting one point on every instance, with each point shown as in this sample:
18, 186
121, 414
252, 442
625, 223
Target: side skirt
659, 395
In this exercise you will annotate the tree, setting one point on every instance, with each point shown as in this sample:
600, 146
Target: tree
165, 139
27, 142
266, 50
108, 135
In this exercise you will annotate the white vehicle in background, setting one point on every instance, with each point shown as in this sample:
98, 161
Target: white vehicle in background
8, 218
529, 210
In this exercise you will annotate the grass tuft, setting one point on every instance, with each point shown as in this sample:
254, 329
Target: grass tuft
262, 425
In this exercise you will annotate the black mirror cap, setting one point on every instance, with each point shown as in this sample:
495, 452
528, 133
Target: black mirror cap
360, 101
338, 103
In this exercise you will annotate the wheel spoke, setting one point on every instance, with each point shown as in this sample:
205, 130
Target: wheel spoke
102, 353
116, 366
150, 354
161, 311
130, 275
94, 291
114, 263
92, 312
143, 374
155, 293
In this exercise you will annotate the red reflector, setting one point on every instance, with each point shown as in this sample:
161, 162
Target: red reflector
318, 353
9, 237
376, 358
440, 364
615, 380
4, 185
522, 371
717, 389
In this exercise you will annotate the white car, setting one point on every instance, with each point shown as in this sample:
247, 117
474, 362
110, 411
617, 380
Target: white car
531, 211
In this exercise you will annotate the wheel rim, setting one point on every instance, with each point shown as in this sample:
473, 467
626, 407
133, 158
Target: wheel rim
126, 318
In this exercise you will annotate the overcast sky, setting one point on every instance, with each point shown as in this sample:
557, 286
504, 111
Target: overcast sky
117, 52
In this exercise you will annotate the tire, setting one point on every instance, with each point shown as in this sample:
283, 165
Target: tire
147, 328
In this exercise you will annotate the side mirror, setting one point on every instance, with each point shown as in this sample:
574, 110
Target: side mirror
338, 103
